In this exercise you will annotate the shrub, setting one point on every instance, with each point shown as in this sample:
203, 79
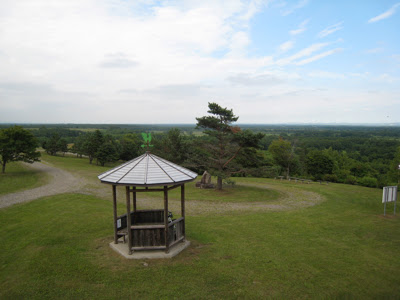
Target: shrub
264, 171
350, 179
368, 181
330, 177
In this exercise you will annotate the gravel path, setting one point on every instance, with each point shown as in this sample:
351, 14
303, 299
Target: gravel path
61, 182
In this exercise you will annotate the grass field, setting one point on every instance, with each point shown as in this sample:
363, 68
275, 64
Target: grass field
342, 247
19, 177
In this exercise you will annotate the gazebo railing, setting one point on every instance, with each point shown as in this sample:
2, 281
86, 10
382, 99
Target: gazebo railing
176, 231
148, 229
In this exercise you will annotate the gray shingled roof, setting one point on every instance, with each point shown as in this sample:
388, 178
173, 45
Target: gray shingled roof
147, 169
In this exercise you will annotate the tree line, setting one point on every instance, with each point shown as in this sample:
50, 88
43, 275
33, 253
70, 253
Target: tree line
352, 155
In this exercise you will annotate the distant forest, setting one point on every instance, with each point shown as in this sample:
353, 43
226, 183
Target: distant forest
364, 155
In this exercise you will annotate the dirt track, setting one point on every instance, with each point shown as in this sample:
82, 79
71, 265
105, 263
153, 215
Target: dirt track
60, 182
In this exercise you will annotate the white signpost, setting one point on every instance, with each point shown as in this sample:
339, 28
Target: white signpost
389, 195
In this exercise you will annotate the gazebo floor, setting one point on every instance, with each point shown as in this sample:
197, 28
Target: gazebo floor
122, 249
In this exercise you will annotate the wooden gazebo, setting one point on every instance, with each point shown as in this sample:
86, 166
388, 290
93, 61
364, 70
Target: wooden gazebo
148, 229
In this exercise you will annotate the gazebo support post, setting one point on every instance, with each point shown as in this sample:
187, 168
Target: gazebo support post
166, 219
129, 222
114, 191
183, 210
134, 198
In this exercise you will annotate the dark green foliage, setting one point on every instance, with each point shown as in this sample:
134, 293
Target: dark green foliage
283, 154
107, 152
171, 146
79, 146
351, 180
92, 143
357, 151
130, 146
394, 168
55, 144
368, 181
225, 143
318, 164
17, 144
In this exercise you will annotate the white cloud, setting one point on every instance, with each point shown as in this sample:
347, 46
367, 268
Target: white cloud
112, 60
300, 29
319, 56
117, 60
253, 7
286, 46
385, 15
325, 74
267, 79
330, 29
289, 10
303, 53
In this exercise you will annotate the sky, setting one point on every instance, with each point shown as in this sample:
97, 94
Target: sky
135, 62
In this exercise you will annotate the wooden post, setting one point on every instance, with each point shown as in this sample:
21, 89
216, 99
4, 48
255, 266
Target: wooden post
129, 222
166, 219
183, 210
114, 191
134, 198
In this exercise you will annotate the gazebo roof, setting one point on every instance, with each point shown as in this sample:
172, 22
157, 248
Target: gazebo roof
147, 170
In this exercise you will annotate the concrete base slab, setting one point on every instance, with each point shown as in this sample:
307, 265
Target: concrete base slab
149, 254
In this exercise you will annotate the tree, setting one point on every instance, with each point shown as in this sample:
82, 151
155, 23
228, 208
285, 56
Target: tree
107, 152
394, 168
319, 164
92, 143
130, 146
17, 144
226, 141
62, 146
283, 154
171, 146
78, 146
55, 144
50, 145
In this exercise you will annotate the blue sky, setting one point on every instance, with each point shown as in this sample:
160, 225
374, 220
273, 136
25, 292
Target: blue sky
114, 61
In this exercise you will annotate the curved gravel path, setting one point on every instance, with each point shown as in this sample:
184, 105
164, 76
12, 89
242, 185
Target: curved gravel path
61, 182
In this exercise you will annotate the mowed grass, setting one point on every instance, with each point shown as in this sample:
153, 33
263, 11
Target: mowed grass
236, 193
57, 247
19, 177
81, 166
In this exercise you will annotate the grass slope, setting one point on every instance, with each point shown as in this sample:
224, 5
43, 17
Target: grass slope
57, 247
19, 177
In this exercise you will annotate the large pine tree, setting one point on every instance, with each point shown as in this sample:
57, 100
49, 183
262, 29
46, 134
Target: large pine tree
226, 141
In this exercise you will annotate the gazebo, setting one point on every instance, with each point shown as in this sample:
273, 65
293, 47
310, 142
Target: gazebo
148, 229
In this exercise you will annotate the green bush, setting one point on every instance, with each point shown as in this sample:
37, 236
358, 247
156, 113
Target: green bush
330, 177
368, 181
350, 179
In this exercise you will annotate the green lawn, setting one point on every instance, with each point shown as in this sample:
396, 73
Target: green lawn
19, 177
343, 247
